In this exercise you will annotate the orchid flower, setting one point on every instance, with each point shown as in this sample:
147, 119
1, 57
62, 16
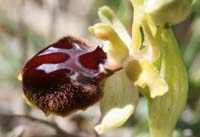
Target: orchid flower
117, 71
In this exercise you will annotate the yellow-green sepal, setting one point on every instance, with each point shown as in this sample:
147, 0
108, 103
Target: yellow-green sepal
119, 101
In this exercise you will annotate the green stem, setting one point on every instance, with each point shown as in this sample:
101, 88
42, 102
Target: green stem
164, 111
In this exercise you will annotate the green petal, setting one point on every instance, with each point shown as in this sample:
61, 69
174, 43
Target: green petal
116, 50
118, 103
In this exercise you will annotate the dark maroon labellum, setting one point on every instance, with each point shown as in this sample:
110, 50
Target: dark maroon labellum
65, 76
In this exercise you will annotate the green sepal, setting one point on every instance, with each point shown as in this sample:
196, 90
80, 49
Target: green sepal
119, 101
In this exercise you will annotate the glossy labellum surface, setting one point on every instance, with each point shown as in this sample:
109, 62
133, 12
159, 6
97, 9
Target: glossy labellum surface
65, 76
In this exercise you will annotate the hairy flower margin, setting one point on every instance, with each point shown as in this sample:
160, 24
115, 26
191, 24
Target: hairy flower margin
153, 67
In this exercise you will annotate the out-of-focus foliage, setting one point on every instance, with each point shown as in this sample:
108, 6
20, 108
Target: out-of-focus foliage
25, 28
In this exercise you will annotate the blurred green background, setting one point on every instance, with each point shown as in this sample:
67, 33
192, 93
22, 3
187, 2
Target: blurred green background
26, 26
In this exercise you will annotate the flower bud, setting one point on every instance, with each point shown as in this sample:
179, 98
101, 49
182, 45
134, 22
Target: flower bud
167, 12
